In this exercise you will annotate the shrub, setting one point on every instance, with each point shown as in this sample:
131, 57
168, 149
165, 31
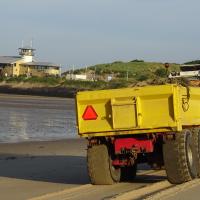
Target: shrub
161, 72
142, 77
117, 62
17, 79
193, 62
136, 60
45, 80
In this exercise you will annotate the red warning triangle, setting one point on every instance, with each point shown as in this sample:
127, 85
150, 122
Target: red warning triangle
89, 113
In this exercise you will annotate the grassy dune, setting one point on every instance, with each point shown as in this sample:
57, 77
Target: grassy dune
136, 69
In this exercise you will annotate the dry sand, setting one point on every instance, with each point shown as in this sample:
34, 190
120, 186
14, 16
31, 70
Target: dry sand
35, 168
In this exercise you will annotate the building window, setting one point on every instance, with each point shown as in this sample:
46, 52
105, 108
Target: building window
39, 68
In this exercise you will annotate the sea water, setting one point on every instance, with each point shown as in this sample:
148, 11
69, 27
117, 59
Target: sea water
29, 118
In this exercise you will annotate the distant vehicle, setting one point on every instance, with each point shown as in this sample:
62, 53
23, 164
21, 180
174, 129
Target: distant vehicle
187, 71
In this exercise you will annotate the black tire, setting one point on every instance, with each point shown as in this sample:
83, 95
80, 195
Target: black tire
128, 173
179, 157
196, 140
100, 168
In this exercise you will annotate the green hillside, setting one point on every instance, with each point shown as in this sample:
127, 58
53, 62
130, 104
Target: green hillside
135, 70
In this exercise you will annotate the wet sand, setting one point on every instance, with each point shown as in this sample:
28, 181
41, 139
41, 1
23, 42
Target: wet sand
30, 118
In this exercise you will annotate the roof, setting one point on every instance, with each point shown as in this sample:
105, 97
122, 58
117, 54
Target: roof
27, 48
9, 59
190, 65
47, 64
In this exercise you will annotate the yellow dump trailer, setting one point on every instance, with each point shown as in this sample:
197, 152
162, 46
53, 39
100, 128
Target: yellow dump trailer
153, 124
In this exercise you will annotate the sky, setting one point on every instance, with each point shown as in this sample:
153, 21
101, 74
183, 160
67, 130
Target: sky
85, 32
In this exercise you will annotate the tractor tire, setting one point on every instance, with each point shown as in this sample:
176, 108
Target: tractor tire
179, 158
196, 140
100, 168
128, 173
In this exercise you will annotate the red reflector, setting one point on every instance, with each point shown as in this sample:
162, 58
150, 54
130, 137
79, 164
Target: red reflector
89, 114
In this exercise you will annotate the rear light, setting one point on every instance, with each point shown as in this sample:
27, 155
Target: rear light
89, 113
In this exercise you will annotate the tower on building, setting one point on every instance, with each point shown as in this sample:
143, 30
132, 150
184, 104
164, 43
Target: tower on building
27, 53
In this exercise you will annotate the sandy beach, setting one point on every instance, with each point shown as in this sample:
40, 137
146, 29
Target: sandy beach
37, 164
33, 169
55, 170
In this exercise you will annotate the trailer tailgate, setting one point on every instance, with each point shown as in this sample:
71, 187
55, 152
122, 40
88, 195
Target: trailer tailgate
118, 111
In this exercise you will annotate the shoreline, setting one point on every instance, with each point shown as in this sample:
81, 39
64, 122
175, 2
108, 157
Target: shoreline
63, 146
40, 91
42, 140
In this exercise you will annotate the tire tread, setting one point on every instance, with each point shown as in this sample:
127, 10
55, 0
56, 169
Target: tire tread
98, 165
175, 159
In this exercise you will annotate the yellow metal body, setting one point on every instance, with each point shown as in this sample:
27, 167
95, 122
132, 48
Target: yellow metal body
150, 109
